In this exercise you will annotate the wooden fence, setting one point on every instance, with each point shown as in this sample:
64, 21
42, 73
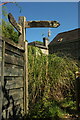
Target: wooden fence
13, 83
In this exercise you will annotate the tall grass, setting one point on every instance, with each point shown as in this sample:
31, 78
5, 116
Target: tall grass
51, 80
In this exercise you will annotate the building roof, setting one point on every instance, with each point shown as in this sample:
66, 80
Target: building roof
37, 44
68, 36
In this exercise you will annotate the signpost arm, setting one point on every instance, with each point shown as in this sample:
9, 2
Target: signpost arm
37, 24
14, 23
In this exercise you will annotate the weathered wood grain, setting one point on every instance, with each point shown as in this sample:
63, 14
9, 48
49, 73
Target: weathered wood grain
19, 102
16, 83
14, 23
0, 51
14, 49
14, 60
9, 41
22, 37
0, 43
4, 113
13, 54
16, 102
5, 101
13, 70
0, 71
16, 93
8, 112
22, 42
11, 78
16, 99
13, 74
26, 78
31, 24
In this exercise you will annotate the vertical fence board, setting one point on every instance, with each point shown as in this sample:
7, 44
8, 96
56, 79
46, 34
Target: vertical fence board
12, 79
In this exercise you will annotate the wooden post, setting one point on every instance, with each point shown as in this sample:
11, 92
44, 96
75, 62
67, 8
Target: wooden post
24, 43
14, 23
22, 36
26, 76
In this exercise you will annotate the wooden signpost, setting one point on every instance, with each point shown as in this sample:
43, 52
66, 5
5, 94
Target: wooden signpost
21, 28
14, 23
31, 24
52, 24
23, 24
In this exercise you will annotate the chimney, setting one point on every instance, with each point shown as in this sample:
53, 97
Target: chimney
45, 41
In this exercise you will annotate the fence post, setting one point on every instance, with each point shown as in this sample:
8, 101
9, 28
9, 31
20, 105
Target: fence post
78, 92
24, 43
26, 76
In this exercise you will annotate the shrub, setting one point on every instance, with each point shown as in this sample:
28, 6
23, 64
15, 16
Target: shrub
51, 80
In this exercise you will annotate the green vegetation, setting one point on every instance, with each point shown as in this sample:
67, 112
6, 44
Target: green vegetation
51, 85
51, 81
7, 30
